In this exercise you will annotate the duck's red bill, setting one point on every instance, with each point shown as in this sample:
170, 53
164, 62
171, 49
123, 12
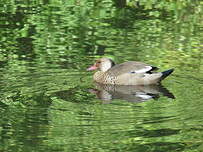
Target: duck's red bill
92, 68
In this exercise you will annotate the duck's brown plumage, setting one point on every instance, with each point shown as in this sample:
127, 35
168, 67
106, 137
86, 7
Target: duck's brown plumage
127, 73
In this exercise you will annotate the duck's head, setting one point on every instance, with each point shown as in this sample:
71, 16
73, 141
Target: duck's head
102, 64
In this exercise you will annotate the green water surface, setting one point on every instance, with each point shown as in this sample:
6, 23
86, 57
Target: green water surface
48, 101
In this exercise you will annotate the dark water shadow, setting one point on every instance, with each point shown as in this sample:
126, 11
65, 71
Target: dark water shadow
159, 147
130, 93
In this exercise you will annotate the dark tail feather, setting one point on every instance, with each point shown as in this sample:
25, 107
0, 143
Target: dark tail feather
166, 73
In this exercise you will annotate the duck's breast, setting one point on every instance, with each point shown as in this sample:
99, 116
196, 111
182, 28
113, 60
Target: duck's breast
104, 78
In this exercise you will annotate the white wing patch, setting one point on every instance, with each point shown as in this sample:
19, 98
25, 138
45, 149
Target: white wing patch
143, 95
143, 70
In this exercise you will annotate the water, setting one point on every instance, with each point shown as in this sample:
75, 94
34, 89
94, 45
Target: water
48, 101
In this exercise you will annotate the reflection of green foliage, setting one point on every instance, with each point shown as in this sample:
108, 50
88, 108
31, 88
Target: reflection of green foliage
46, 47
178, 8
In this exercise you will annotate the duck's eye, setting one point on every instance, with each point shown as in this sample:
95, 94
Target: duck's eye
98, 61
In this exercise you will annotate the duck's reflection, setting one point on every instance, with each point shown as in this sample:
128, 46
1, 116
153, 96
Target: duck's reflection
130, 93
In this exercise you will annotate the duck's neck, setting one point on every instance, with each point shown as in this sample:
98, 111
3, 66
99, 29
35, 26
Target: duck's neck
105, 67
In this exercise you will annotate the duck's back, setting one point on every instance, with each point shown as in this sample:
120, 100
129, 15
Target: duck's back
129, 67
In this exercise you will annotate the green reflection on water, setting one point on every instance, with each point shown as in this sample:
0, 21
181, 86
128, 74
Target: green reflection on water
45, 49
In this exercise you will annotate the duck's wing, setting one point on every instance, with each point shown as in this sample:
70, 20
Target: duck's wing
131, 67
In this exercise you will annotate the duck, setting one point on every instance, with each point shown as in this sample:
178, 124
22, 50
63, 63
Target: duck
127, 73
